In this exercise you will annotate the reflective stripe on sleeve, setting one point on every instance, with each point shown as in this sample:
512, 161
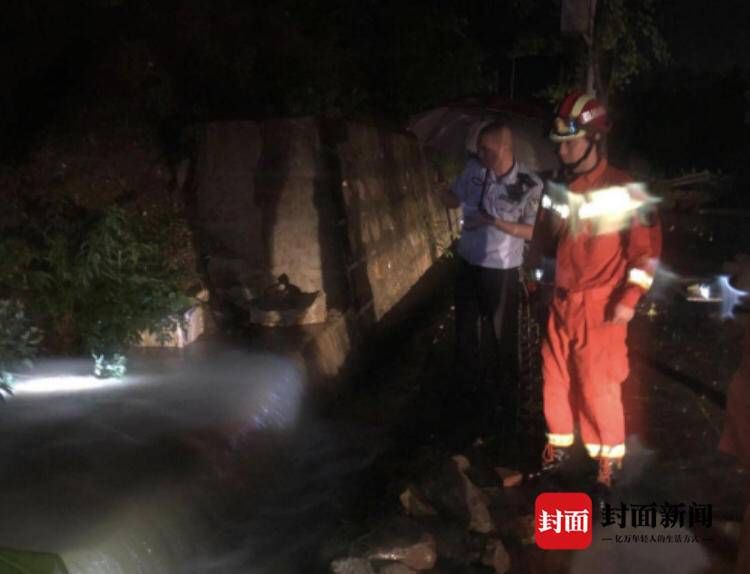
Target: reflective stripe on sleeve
641, 278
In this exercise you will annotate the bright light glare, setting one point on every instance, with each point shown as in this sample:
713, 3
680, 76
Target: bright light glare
249, 392
607, 210
730, 297
722, 292
609, 202
62, 384
562, 209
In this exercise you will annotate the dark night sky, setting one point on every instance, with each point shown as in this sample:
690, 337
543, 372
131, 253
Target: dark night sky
708, 36
58, 56
703, 36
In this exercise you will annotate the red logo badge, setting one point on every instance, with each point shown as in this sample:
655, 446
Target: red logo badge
563, 521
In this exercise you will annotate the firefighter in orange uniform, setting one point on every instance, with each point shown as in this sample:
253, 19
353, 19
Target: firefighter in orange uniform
599, 279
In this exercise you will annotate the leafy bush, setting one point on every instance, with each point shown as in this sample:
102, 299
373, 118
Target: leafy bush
18, 341
93, 280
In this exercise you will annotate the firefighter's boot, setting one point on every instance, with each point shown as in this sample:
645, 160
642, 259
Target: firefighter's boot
607, 477
553, 459
609, 472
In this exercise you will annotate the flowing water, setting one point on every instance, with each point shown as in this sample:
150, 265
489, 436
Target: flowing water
209, 462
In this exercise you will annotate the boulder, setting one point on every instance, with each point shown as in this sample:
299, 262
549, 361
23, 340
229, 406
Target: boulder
398, 540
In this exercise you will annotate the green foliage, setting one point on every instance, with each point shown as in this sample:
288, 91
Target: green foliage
627, 42
19, 341
291, 57
27, 562
93, 280
106, 366
572, 71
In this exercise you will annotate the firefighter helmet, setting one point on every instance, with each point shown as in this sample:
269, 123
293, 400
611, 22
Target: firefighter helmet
579, 115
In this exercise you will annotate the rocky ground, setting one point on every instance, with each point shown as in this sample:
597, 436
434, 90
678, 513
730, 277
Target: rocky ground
446, 493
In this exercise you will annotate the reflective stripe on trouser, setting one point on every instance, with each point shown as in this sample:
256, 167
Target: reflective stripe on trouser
605, 451
584, 362
561, 440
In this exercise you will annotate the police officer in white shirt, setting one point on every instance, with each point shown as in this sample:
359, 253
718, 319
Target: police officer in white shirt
499, 198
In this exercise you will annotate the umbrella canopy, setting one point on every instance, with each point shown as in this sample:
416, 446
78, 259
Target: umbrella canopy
452, 130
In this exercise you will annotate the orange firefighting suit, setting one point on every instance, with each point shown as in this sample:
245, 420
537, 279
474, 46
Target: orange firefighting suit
584, 355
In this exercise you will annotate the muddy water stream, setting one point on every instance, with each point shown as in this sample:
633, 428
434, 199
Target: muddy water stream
209, 462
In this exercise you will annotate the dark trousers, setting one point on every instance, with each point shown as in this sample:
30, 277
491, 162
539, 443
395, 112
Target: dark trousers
486, 303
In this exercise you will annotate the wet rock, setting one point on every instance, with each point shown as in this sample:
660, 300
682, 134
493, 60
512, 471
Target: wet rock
462, 463
482, 475
453, 542
453, 568
415, 504
509, 477
496, 556
235, 297
452, 493
399, 540
493, 492
351, 566
395, 568
285, 304
186, 328
521, 528
538, 561
338, 544
224, 273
